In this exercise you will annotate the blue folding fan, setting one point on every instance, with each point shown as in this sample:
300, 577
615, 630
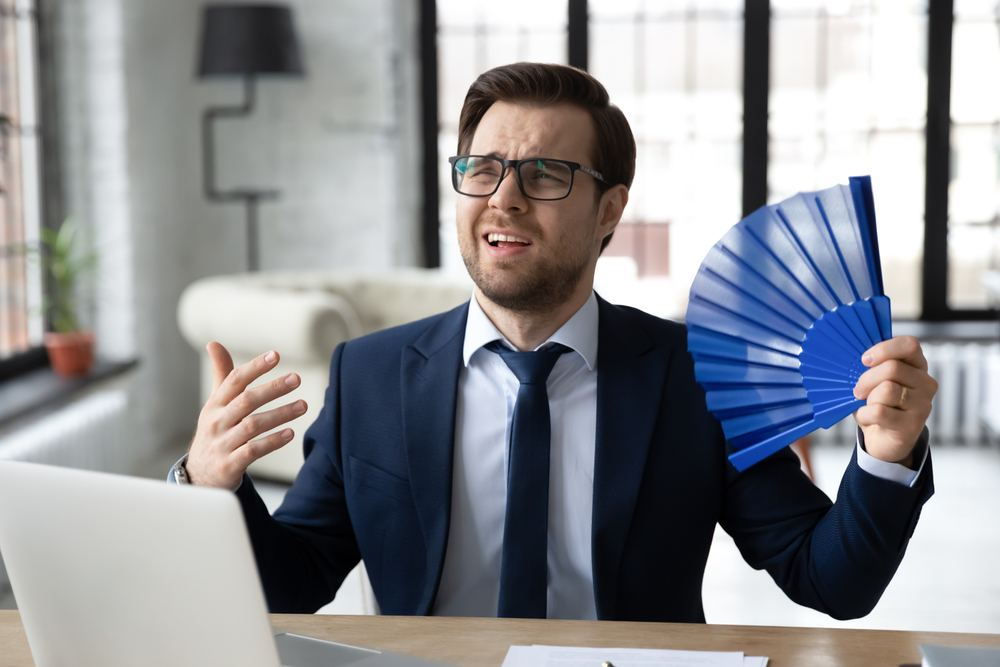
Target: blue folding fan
780, 313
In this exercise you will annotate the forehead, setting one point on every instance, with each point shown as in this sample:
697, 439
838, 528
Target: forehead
513, 131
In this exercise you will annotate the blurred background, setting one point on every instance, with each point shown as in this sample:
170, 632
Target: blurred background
328, 175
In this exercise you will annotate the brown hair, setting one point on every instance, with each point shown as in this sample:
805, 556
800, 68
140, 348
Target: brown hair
540, 84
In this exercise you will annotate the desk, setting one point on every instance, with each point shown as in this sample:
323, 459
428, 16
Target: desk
477, 642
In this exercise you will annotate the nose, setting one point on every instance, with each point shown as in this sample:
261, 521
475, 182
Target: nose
508, 196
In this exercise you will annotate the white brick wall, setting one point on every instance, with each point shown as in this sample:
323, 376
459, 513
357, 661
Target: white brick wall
131, 110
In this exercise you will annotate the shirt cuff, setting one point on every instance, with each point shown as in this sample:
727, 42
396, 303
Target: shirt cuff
894, 472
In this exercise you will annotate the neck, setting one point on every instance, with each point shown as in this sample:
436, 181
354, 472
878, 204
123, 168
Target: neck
528, 330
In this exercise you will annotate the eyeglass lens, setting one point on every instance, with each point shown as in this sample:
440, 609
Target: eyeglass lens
541, 179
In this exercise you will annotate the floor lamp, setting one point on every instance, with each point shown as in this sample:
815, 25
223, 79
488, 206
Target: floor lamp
243, 40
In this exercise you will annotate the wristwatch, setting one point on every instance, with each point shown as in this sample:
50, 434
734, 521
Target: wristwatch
180, 472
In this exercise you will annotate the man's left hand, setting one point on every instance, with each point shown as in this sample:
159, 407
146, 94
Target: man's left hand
899, 393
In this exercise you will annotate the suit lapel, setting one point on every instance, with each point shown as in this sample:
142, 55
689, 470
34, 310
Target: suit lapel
631, 371
429, 374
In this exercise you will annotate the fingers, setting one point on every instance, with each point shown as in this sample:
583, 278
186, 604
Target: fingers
255, 449
898, 392
227, 422
222, 363
894, 370
236, 381
219, 455
251, 399
898, 398
888, 394
900, 427
253, 425
889, 418
904, 348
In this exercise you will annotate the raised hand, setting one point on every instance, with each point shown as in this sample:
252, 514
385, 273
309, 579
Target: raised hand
899, 393
224, 444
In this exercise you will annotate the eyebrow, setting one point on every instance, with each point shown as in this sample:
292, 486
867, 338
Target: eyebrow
498, 156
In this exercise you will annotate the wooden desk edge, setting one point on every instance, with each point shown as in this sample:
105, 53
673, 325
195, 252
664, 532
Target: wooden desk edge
483, 642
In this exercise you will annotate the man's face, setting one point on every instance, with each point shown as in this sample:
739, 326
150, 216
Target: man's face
557, 242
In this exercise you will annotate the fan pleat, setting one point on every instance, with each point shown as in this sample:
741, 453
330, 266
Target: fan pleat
781, 246
725, 266
709, 344
781, 312
734, 401
825, 265
842, 331
724, 295
734, 373
849, 317
744, 245
767, 418
866, 313
842, 225
723, 321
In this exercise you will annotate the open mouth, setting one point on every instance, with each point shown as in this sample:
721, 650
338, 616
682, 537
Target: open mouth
506, 241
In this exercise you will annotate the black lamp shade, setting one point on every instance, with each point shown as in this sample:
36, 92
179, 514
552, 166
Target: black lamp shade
248, 39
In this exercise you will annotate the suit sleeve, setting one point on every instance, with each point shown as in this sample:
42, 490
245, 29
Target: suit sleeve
837, 557
308, 547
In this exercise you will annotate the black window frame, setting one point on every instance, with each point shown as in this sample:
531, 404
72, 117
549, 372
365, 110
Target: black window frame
756, 66
50, 177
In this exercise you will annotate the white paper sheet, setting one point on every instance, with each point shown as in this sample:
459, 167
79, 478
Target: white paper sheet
568, 656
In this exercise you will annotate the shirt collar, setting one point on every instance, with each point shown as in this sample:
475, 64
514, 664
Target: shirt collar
579, 333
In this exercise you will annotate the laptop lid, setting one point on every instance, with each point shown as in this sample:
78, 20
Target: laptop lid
114, 570
111, 570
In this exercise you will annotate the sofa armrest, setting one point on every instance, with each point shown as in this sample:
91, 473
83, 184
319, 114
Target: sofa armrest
250, 319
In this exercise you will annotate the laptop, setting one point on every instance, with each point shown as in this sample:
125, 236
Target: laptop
115, 570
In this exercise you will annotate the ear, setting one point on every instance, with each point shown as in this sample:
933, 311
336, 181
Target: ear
610, 210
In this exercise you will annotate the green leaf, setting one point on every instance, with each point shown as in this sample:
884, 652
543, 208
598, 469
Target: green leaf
65, 267
64, 239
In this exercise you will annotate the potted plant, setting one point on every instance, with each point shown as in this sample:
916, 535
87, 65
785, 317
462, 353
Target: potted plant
70, 348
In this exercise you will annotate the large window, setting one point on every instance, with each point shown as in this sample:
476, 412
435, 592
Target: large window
675, 70
473, 37
848, 96
845, 92
974, 188
21, 319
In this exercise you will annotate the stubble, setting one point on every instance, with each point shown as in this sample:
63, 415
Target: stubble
521, 284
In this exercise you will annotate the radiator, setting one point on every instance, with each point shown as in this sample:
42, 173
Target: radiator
90, 433
963, 403
966, 409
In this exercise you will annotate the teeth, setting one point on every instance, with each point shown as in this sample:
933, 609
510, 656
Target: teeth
493, 238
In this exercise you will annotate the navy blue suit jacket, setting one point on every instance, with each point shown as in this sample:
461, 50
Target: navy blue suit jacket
376, 485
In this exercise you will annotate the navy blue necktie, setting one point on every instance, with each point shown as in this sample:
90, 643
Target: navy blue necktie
524, 567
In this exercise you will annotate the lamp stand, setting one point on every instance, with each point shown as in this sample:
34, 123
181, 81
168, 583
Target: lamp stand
247, 195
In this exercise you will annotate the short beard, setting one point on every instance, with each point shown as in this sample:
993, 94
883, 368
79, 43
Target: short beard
549, 287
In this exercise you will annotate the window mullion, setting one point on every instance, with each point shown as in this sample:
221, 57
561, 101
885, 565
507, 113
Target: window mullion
935, 264
578, 34
429, 122
756, 72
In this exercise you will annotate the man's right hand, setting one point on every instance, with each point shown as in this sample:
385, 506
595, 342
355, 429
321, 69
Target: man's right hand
223, 445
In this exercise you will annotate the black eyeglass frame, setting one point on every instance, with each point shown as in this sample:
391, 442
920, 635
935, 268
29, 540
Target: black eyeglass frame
516, 165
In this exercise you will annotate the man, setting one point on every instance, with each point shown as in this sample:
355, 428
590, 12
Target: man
417, 462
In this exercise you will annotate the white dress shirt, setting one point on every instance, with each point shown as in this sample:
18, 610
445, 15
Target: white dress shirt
487, 389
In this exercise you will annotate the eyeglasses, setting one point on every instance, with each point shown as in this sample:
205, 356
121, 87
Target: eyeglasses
539, 178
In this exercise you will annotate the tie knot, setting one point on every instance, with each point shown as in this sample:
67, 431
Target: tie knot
529, 367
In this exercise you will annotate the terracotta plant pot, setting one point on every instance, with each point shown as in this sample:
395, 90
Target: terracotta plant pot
70, 354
